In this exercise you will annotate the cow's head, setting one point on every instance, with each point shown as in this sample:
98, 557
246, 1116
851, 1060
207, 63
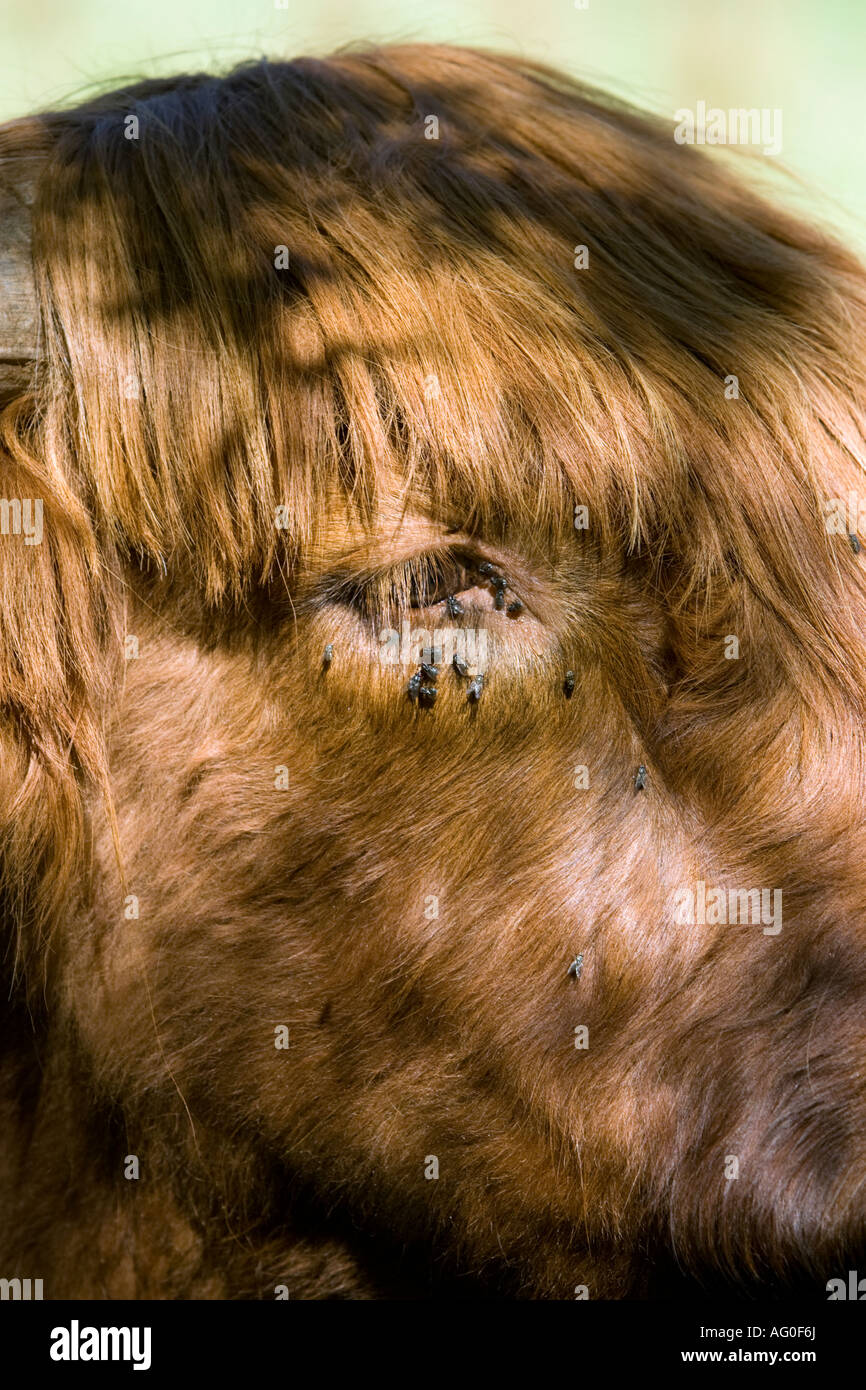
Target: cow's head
312, 369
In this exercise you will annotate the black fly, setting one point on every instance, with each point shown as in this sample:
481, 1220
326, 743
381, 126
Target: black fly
473, 694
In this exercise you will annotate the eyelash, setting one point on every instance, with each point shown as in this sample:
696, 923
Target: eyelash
420, 582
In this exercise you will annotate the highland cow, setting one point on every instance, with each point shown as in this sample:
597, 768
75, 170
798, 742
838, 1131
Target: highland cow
342, 962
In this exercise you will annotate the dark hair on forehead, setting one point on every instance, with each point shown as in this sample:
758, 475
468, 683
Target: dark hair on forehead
424, 325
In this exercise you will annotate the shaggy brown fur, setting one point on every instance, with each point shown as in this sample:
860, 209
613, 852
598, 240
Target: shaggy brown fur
430, 384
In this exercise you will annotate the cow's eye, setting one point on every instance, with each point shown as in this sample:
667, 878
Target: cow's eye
430, 578
419, 582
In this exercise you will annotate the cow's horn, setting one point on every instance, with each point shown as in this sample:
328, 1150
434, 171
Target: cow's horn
18, 314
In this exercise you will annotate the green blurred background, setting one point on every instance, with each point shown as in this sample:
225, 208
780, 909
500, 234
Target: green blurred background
804, 57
